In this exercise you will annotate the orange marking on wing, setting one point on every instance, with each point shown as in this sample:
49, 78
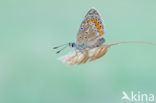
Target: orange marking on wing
95, 20
98, 27
100, 32
88, 20
92, 19
97, 23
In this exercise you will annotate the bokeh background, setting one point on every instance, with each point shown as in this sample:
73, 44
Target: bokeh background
31, 73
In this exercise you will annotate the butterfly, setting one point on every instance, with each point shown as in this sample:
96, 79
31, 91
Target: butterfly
90, 32
89, 41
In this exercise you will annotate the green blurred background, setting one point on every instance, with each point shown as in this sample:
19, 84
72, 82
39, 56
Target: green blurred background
31, 73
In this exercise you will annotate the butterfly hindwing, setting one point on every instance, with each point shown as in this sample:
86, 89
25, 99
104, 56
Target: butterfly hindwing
91, 28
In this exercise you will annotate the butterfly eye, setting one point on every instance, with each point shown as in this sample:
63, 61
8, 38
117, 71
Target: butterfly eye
72, 45
80, 37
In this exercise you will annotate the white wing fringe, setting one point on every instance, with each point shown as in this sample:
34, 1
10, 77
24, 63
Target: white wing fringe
82, 56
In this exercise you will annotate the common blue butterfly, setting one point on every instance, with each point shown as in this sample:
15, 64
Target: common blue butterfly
89, 40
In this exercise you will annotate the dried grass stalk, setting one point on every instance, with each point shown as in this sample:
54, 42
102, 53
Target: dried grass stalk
82, 56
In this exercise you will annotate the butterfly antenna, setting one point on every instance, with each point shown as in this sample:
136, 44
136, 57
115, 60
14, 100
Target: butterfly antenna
59, 46
61, 50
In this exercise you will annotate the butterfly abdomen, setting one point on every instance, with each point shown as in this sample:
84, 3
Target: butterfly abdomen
98, 43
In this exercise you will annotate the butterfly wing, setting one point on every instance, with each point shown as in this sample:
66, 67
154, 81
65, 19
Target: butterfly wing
91, 29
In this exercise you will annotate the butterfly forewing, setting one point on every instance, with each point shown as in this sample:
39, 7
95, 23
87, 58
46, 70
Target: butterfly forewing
91, 28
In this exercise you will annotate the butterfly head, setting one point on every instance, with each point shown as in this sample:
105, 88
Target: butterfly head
73, 45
